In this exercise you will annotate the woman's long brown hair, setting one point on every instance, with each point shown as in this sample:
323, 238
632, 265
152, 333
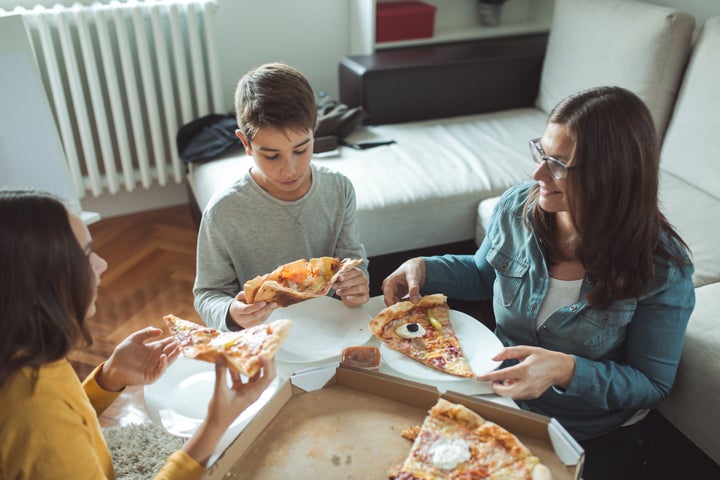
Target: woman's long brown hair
612, 193
46, 284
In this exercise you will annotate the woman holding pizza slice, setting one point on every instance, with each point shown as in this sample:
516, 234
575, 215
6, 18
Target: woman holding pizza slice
591, 286
48, 419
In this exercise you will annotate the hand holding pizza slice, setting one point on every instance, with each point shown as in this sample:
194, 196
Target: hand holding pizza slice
241, 350
423, 332
297, 281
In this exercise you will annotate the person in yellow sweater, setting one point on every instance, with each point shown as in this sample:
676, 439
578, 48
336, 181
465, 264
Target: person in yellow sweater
48, 419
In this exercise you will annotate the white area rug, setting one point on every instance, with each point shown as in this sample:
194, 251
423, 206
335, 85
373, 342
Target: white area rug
138, 451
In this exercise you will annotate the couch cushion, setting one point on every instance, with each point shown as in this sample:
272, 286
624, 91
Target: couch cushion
691, 150
485, 210
424, 189
638, 46
692, 405
696, 216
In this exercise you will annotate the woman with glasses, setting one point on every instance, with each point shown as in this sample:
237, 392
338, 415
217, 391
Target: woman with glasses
591, 286
48, 419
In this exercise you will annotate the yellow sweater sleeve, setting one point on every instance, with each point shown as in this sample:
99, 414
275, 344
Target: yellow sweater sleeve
100, 399
180, 466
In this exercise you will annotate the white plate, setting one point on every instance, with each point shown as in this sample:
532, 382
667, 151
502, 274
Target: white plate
322, 328
178, 401
478, 343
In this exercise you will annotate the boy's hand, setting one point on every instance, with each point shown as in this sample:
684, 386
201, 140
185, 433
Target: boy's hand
352, 287
248, 315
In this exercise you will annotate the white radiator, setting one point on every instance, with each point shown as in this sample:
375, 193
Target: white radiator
122, 77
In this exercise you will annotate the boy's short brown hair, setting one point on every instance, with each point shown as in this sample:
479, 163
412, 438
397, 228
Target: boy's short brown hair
274, 95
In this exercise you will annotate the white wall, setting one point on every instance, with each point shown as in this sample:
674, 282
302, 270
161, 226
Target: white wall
31, 153
311, 35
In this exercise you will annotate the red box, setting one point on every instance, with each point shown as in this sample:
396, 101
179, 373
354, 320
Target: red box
404, 21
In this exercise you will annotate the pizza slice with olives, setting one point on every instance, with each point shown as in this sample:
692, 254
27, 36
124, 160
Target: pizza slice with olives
423, 332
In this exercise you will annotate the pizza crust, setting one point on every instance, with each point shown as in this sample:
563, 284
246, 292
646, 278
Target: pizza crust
458, 413
400, 309
528, 468
297, 281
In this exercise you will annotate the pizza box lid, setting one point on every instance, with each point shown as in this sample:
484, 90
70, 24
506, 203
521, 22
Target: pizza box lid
346, 422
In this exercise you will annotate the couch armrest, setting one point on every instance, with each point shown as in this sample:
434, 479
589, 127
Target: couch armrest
447, 80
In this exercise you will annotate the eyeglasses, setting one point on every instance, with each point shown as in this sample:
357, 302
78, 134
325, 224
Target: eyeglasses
556, 167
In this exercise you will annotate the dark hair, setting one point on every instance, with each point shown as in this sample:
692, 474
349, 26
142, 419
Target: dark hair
612, 193
46, 285
274, 95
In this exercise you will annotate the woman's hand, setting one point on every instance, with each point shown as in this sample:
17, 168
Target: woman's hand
249, 314
407, 279
538, 370
352, 287
135, 362
228, 401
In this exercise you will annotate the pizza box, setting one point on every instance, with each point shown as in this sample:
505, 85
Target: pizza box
343, 422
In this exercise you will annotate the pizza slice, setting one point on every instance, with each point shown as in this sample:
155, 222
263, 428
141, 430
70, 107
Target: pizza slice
242, 350
454, 442
424, 333
297, 281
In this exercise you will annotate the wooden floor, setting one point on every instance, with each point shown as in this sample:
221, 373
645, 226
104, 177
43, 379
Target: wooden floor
151, 269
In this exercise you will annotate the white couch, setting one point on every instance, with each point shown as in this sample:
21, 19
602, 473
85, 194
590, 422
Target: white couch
430, 187
690, 192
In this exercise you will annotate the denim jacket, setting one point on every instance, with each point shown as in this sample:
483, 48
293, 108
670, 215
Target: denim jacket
626, 356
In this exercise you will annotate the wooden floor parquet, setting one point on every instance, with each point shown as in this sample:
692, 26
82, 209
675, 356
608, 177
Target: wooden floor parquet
151, 269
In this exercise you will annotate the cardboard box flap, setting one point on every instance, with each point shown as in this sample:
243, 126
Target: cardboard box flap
313, 378
566, 447
256, 426
403, 391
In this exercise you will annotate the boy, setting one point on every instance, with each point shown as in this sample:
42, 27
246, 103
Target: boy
283, 209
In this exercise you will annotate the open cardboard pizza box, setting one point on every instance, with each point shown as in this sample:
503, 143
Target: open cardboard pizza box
349, 427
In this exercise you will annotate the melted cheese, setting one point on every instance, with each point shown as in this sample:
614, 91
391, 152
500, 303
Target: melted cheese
225, 340
448, 454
